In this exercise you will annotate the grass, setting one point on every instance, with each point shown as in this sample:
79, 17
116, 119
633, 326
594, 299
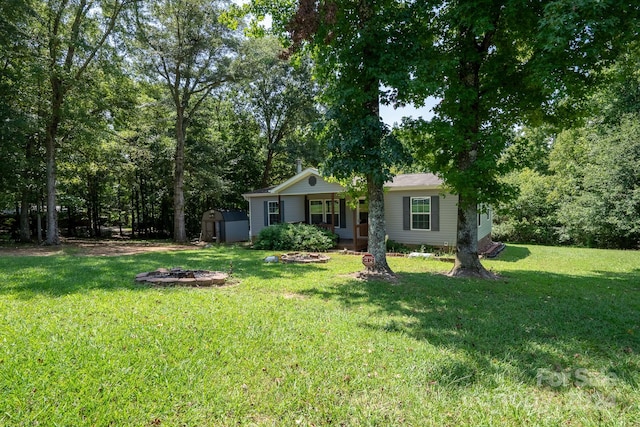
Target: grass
555, 342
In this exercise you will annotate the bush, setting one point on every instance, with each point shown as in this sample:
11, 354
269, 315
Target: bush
295, 237
397, 247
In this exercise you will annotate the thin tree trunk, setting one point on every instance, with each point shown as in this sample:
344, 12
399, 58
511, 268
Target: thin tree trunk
467, 263
39, 219
25, 229
179, 231
266, 174
135, 213
70, 224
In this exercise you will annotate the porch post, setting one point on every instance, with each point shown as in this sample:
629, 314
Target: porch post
333, 212
355, 230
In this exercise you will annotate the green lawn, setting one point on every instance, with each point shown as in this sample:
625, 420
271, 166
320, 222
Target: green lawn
556, 342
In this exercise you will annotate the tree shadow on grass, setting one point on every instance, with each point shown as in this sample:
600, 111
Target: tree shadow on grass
55, 276
527, 323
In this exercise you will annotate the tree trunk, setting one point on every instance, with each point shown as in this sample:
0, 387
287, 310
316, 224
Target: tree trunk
25, 229
179, 230
467, 263
53, 237
266, 174
377, 229
39, 218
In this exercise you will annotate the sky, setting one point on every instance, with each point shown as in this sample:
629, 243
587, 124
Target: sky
390, 115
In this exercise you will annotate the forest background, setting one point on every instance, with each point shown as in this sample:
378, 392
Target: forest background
145, 112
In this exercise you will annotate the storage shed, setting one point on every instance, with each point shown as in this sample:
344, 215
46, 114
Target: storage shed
222, 226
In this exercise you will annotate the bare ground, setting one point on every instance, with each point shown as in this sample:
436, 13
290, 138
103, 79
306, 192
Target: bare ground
88, 247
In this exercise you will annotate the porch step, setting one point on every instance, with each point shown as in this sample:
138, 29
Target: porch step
493, 250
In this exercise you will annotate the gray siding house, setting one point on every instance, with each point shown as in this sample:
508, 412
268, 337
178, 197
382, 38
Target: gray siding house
417, 211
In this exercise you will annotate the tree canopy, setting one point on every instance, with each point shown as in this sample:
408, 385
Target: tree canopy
145, 114
501, 64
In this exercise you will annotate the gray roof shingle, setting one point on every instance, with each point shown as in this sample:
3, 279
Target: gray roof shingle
414, 180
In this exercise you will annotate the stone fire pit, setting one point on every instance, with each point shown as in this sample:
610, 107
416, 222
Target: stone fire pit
180, 277
304, 258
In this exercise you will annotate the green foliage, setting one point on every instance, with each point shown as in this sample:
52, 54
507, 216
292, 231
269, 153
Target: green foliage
280, 95
588, 196
295, 237
532, 216
599, 184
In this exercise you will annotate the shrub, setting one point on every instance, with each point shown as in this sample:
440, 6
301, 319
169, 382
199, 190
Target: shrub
393, 246
295, 237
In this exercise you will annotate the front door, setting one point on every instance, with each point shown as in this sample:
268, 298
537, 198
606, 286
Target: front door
363, 218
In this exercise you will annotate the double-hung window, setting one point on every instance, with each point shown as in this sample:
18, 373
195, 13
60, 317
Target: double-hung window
320, 212
273, 209
316, 211
421, 213
336, 212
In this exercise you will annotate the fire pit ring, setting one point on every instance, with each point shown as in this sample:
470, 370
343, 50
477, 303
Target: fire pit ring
304, 258
180, 277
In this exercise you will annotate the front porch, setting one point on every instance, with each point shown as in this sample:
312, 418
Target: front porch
358, 242
359, 245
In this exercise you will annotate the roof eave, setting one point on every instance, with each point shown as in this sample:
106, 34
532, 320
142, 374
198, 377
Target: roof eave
414, 187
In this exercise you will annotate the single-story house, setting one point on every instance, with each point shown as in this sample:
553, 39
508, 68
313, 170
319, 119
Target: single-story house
417, 211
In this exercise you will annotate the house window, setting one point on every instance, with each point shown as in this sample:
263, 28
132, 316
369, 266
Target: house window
336, 212
320, 212
316, 212
420, 213
273, 212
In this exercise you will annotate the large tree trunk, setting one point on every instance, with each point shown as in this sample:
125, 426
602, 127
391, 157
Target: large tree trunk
179, 229
467, 263
376, 245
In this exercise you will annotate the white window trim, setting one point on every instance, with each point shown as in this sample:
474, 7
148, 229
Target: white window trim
269, 213
411, 213
325, 214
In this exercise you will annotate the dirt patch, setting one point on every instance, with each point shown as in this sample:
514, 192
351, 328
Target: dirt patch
366, 275
82, 247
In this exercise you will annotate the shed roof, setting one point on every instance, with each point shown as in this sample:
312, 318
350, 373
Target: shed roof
227, 215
